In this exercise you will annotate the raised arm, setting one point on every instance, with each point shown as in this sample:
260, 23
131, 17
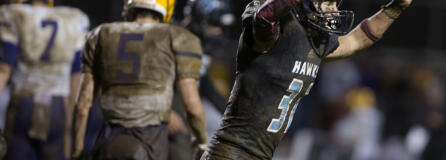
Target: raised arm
266, 22
81, 114
369, 30
194, 109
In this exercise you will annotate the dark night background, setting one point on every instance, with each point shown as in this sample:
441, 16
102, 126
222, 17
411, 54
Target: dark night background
423, 25
406, 70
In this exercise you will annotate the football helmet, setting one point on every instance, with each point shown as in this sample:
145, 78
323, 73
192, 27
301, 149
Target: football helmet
164, 7
338, 22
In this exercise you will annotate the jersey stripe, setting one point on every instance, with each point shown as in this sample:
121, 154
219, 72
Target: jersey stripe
10, 53
76, 65
188, 54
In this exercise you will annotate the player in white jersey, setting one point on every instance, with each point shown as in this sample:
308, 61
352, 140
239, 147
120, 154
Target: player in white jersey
40, 58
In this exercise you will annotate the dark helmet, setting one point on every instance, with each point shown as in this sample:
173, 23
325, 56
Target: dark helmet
337, 22
215, 12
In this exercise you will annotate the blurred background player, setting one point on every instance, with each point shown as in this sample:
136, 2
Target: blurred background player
135, 66
203, 18
280, 51
41, 58
213, 103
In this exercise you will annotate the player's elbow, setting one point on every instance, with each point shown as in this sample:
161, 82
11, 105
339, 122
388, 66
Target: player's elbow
360, 47
83, 107
358, 42
190, 95
195, 108
82, 111
353, 45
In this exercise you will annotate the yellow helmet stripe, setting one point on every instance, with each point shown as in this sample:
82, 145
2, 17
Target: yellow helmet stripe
50, 3
169, 5
165, 7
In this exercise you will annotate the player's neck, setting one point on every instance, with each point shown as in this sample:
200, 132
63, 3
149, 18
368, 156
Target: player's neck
146, 20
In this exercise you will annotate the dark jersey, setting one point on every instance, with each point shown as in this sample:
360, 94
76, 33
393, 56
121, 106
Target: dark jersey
266, 93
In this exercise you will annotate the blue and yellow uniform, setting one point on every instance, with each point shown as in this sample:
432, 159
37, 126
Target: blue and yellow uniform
42, 45
135, 66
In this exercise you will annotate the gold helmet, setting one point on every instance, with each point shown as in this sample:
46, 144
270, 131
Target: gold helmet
164, 7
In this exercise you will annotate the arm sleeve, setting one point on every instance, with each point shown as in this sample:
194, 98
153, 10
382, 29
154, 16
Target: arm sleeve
188, 52
84, 24
76, 65
88, 53
9, 53
9, 48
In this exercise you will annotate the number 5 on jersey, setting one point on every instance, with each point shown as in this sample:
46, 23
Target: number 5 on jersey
294, 88
128, 56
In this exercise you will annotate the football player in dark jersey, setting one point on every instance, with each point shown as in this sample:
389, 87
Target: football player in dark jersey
280, 50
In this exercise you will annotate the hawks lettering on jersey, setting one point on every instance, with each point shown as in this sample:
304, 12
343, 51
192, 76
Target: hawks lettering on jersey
136, 66
305, 68
38, 43
267, 91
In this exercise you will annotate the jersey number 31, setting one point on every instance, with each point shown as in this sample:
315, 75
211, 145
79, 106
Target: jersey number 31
294, 88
